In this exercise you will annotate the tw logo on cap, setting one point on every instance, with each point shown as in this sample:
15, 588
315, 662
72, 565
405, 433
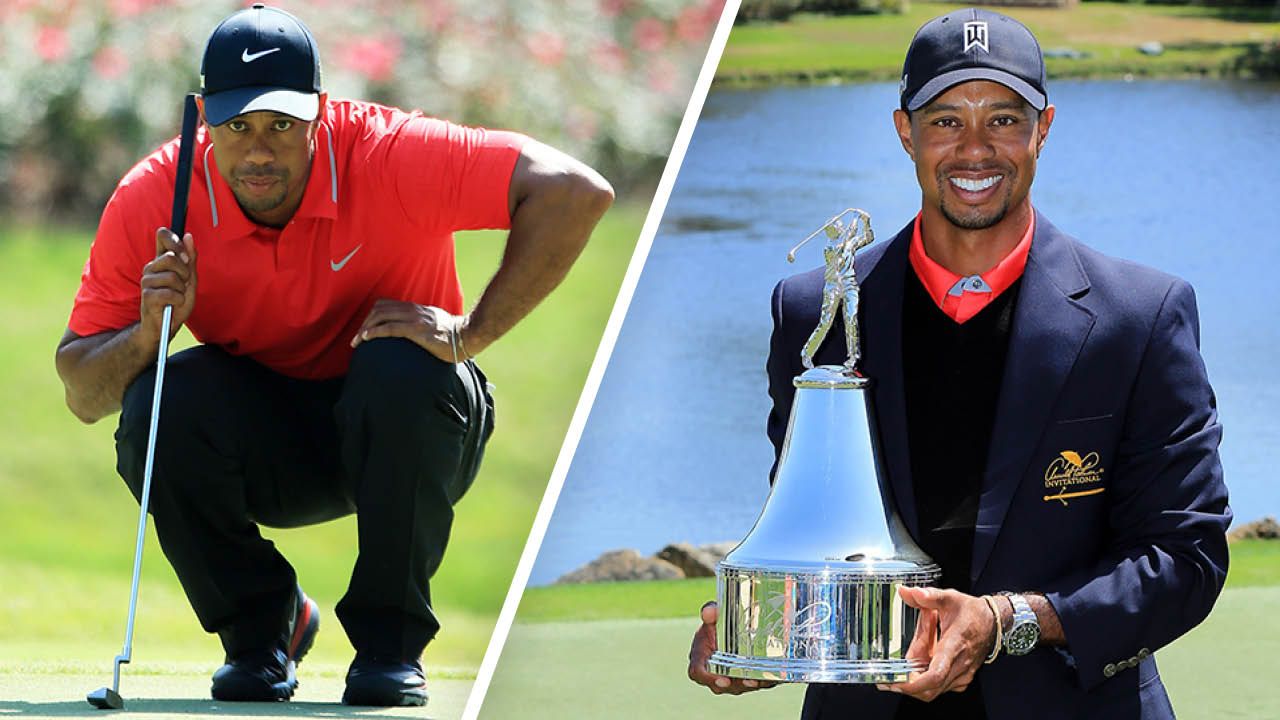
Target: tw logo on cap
975, 35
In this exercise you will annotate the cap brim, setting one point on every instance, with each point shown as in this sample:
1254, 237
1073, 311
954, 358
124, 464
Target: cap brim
221, 107
938, 85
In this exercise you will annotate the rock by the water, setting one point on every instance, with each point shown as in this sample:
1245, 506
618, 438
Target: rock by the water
1266, 529
626, 564
1151, 48
699, 561
693, 561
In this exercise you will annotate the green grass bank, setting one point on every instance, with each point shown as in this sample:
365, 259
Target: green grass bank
620, 650
1198, 41
69, 523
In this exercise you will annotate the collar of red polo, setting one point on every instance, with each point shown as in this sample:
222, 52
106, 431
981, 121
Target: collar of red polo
963, 297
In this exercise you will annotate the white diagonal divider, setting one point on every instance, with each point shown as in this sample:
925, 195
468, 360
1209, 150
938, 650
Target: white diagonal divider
601, 361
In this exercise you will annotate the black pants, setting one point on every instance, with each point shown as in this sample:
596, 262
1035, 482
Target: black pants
397, 441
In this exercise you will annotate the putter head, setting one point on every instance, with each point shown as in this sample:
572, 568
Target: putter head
105, 699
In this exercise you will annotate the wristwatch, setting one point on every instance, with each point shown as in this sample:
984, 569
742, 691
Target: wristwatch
1024, 633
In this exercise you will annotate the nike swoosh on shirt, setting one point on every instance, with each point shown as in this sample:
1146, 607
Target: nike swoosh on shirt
339, 265
248, 57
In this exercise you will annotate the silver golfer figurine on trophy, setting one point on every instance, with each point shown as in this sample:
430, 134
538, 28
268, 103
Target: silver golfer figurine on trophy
838, 281
811, 594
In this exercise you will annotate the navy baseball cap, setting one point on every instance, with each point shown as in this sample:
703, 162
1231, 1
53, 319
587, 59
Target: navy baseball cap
972, 44
260, 58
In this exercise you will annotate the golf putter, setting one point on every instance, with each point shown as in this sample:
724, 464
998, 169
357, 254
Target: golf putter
108, 698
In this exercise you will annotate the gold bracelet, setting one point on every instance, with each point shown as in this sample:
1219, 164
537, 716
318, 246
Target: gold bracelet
995, 651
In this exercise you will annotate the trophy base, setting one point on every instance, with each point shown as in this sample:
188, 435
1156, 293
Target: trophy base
801, 670
836, 624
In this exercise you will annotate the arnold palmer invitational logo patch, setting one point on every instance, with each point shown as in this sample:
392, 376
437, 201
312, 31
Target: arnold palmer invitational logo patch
1071, 474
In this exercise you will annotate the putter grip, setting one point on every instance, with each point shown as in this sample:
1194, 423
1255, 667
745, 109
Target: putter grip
186, 149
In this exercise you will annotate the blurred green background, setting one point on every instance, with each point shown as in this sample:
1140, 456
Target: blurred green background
86, 89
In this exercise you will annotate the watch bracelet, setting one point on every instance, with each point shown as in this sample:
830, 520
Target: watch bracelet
1022, 611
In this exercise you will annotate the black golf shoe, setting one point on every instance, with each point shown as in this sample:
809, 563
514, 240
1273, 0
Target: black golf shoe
382, 682
259, 676
267, 675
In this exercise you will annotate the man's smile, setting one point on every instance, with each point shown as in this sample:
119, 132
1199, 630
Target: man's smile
976, 185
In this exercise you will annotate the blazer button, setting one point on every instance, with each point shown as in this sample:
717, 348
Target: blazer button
1109, 670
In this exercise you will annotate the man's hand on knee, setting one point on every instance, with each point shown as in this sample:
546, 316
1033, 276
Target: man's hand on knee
435, 330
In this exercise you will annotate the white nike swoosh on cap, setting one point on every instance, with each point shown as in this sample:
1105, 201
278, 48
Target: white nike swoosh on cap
336, 266
248, 57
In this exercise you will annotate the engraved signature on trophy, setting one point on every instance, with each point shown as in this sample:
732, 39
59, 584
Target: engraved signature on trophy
846, 233
807, 629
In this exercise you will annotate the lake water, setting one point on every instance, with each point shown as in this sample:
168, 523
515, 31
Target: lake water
1181, 175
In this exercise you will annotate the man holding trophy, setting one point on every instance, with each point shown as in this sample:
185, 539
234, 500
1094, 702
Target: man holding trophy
1042, 425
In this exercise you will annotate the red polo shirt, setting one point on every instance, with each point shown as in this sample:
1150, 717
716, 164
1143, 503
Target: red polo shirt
963, 297
386, 190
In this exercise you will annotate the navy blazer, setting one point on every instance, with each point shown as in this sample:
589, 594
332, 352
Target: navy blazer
1103, 488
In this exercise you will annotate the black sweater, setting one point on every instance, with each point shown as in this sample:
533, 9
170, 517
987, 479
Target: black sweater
952, 375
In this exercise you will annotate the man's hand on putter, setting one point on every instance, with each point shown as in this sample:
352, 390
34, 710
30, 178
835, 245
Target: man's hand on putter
704, 644
954, 635
436, 330
169, 279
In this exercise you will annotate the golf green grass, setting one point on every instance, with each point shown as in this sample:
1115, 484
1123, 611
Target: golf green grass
807, 48
635, 668
59, 692
68, 523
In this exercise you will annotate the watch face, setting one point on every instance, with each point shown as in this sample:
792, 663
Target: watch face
1022, 638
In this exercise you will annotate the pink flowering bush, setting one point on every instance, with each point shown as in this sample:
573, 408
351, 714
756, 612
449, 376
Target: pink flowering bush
89, 86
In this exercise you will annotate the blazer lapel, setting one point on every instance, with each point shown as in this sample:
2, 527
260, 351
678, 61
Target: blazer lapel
1049, 328
880, 320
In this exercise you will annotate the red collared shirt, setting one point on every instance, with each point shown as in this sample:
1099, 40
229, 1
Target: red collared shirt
963, 297
386, 190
